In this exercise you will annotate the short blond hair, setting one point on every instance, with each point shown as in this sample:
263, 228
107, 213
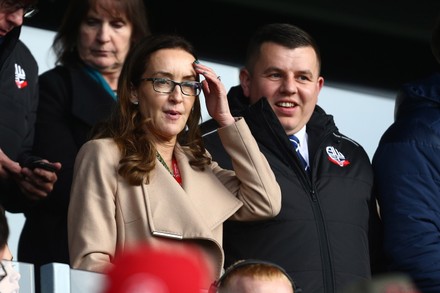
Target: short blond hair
255, 269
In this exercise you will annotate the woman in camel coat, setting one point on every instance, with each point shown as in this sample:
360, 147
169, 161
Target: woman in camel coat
147, 177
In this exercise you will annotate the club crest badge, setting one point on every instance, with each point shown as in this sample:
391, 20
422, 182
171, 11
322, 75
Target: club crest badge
20, 77
336, 157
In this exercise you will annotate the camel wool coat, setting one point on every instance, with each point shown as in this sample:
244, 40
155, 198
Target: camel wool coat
106, 214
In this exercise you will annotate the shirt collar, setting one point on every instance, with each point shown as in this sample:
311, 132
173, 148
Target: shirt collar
302, 135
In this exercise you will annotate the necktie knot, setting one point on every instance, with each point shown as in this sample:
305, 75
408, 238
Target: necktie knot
295, 142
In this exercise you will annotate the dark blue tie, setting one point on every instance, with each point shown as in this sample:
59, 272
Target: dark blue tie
295, 143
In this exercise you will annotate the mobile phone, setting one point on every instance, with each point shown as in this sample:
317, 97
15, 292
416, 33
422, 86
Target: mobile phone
41, 165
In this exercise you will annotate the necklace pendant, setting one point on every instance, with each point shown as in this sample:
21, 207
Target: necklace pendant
176, 173
161, 160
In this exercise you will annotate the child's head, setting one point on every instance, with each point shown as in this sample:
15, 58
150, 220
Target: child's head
254, 276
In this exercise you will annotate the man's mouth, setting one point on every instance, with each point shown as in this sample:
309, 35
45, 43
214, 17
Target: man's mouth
286, 104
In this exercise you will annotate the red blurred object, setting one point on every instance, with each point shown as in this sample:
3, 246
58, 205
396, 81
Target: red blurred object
147, 269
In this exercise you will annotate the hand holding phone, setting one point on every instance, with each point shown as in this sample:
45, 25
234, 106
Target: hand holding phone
42, 165
36, 162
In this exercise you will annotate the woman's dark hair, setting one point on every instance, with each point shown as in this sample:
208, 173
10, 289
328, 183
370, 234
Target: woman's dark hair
4, 228
65, 42
127, 125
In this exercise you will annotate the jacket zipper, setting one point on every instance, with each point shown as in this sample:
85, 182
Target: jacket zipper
309, 186
327, 267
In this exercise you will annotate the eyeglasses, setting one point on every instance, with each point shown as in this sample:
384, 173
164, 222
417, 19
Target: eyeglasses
166, 86
11, 6
3, 273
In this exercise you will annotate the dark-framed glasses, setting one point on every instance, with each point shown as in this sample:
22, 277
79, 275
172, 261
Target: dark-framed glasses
166, 86
10, 6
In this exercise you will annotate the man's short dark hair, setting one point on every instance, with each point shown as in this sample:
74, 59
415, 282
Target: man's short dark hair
284, 34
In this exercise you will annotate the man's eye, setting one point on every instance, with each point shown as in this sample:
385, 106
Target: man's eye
274, 75
304, 78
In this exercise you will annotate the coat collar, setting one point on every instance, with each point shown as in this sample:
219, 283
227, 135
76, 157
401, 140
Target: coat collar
90, 101
193, 210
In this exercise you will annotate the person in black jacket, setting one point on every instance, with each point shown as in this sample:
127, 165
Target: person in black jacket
323, 235
18, 105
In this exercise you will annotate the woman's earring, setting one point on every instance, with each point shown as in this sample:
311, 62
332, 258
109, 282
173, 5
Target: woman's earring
133, 99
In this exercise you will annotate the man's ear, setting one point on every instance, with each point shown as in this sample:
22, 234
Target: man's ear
245, 79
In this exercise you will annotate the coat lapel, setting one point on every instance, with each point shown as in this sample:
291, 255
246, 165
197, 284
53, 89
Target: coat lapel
192, 210
90, 102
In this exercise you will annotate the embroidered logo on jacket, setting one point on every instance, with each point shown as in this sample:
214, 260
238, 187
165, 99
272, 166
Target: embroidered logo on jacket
336, 157
20, 77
